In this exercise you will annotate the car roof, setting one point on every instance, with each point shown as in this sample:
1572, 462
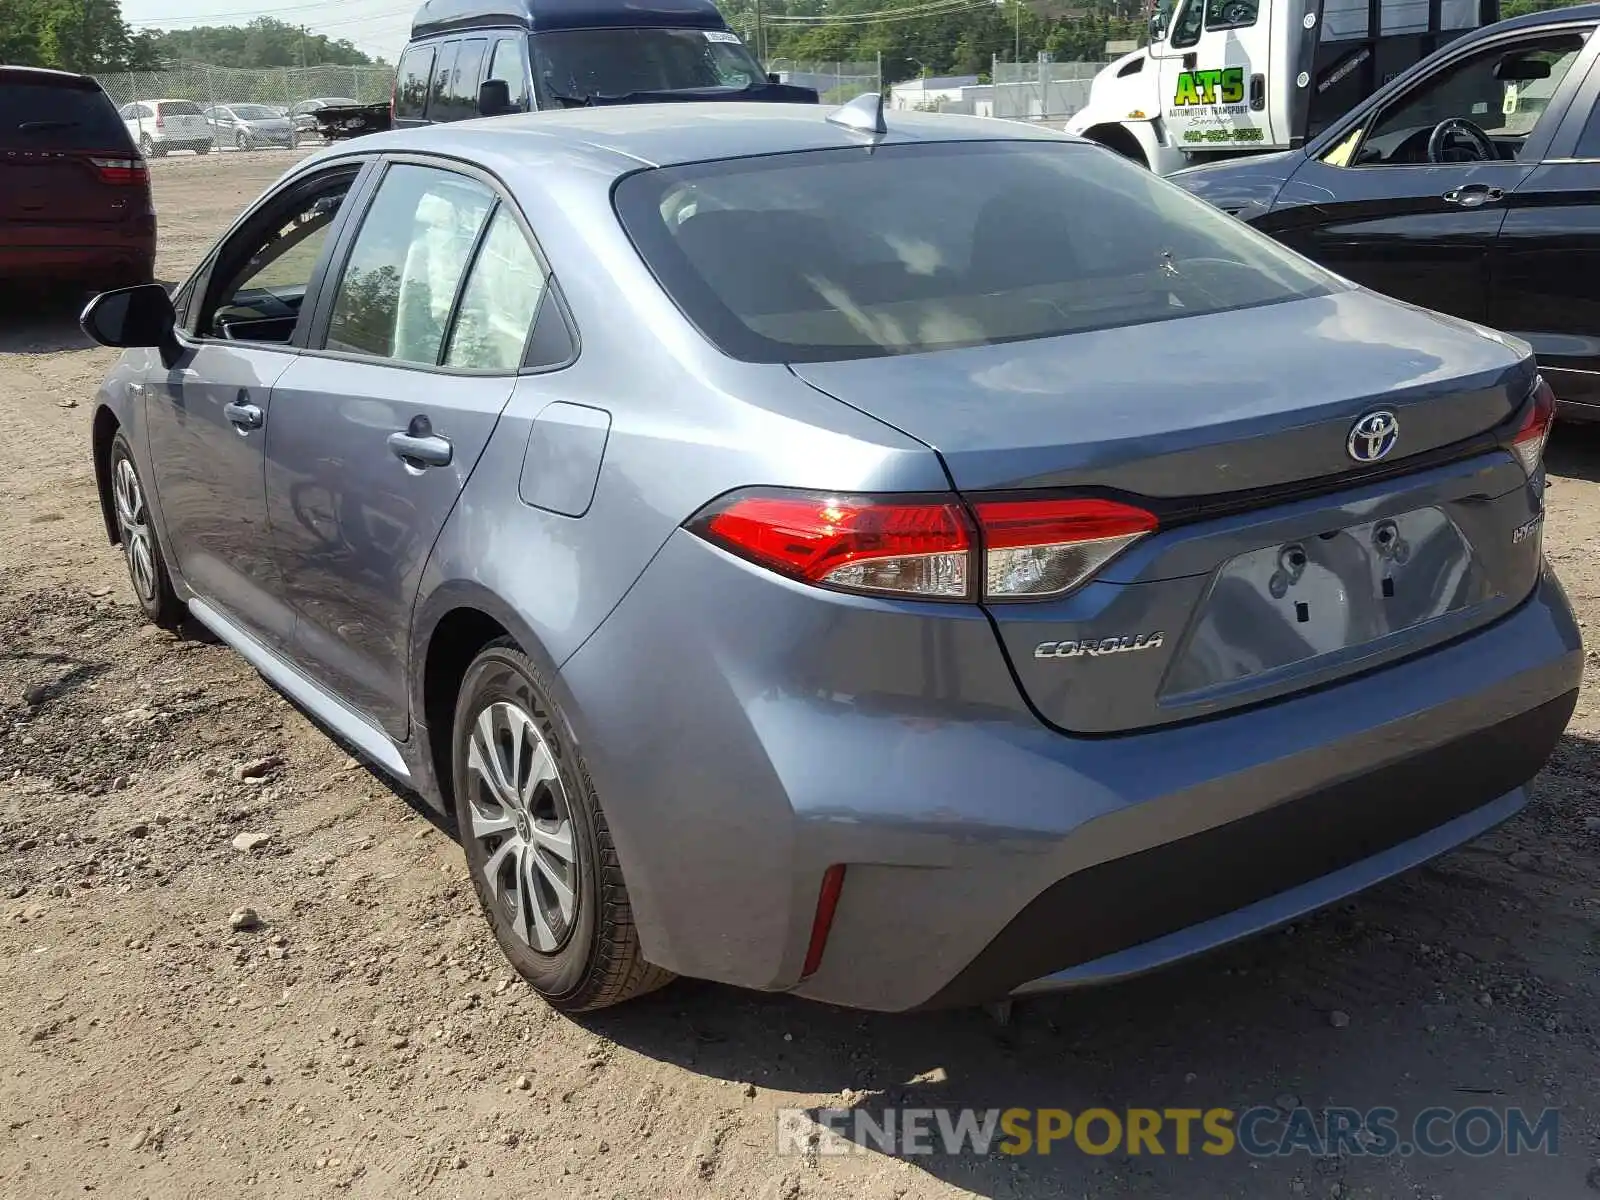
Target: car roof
630, 135
45, 75
443, 16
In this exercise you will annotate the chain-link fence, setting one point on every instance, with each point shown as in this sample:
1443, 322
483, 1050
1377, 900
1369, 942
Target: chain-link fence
1042, 91
278, 89
835, 82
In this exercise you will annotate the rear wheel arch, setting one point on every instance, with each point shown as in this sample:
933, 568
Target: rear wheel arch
453, 642
1116, 137
104, 432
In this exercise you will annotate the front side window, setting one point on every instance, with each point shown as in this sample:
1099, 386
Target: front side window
1186, 29
823, 255
1493, 99
411, 83
507, 65
258, 289
399, 285
499, 302
574, 65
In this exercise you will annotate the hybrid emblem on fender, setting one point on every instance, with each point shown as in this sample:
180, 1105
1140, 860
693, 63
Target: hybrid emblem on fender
1092, 646
1373, 436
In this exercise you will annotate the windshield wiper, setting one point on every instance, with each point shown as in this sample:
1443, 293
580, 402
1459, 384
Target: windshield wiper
40, 126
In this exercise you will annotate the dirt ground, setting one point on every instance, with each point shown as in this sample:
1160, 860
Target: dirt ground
368, 1040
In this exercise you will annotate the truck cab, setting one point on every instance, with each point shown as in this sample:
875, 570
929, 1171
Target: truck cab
1223, 78
470, 58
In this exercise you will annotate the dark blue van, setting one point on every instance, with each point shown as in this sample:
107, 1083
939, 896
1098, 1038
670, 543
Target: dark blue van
469, 58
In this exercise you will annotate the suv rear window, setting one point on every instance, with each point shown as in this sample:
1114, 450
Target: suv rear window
58, 117
179, 108
895, 249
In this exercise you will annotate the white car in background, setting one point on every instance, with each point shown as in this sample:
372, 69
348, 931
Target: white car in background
160, 126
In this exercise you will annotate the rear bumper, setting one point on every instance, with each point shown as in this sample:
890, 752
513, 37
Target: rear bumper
83, 252
984, 852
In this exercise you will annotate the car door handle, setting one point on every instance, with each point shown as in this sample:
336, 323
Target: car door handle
427, 450
1474, 195
244, 417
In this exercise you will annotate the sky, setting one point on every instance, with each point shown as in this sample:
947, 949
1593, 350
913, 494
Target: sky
380, 27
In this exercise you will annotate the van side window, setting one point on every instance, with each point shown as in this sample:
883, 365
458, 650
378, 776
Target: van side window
1231, 14
509, 65
411, 83
439, 94
461, 96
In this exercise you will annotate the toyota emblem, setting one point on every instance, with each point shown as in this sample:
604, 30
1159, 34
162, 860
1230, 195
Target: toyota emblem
1373, 436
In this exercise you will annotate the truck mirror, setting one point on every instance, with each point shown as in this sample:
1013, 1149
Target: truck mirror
772, 77
494, 97
1158, 27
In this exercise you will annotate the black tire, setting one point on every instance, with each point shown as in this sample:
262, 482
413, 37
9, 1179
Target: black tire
152, 585
203, 148
596, 961
149, 149
241, 141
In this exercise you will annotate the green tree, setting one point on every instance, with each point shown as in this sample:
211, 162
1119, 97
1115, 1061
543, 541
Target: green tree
71, 35
264, 42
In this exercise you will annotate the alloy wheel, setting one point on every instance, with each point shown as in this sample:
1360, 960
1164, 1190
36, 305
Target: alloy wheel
134, 523
520, 814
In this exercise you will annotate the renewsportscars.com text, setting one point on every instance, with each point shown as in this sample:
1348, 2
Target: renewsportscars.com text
1260, 1132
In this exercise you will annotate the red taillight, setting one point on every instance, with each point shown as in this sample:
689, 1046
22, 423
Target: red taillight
822, 922
1035, 548
914, 547
120, 170
161, 121
1528, 444
926, 547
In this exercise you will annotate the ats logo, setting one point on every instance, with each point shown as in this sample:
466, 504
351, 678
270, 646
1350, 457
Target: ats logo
1225, 86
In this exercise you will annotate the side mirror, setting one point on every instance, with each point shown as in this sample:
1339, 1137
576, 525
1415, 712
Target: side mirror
132, 318
1158, 28
494, 97
772, 77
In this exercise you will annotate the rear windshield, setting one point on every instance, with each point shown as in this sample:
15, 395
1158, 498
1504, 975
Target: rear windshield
52, 117
572, 65
897, 249
179, 108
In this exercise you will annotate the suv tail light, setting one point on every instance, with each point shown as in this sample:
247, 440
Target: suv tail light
1528, 444
925, 547
120, 170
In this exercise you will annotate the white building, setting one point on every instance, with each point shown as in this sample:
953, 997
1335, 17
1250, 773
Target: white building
928, 94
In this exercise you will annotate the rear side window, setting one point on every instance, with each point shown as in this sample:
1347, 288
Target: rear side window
439, 94
400, 283
411, 83
179, 108
842, 254
53, 117
499, 302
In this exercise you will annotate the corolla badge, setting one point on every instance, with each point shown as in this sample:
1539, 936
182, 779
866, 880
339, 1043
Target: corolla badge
1373, 436
1098, 646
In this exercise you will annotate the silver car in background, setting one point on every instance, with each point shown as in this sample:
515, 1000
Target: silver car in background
251, 126
900, 564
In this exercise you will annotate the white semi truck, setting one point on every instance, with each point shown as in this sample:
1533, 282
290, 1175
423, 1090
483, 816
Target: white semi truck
1222, 78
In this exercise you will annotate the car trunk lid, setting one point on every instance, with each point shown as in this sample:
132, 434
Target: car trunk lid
1281, 561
